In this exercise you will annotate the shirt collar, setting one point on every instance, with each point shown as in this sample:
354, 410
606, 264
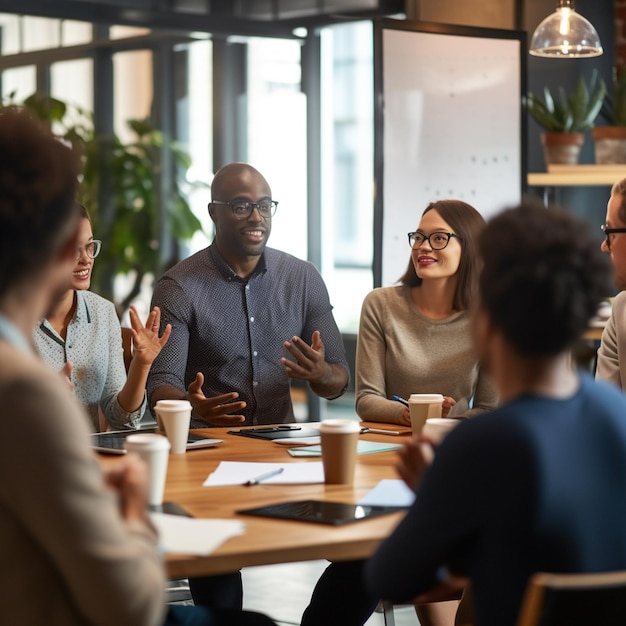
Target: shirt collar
11, 333
228, 272
82, 308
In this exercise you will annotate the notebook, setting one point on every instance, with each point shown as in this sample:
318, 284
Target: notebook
363, 447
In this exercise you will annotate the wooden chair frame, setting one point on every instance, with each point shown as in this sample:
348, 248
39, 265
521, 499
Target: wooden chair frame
596, 599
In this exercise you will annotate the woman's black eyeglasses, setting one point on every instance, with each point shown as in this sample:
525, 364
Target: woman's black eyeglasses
437, 240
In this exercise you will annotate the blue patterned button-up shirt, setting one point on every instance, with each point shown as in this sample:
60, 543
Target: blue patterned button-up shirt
232, 329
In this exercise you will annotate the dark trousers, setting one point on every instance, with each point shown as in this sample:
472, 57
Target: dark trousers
178, 615
340, 597
222, 591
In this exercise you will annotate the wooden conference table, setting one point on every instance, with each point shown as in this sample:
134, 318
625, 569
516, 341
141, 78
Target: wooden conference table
266, 540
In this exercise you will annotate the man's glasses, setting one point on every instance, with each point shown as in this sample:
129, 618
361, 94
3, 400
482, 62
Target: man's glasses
610, 231
242, 209
92, 249
437, 240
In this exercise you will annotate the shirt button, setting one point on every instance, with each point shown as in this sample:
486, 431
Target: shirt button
255, 383
247, 287
252, 319
254, 353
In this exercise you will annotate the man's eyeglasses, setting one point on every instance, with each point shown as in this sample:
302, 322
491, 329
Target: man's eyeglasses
437, 240
92, 249
611, 231
242, 209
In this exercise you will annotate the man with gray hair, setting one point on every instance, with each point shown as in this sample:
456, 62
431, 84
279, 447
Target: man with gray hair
612, 353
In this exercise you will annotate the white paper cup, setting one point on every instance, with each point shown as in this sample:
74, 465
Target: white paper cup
154, 450
437, 428
339, 443
168, 404
174, 417
423, 406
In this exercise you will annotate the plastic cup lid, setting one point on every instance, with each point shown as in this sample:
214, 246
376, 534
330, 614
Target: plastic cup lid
340, 426
423, 398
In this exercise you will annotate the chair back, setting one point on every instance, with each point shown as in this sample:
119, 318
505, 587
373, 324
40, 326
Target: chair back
597, 599
127, 346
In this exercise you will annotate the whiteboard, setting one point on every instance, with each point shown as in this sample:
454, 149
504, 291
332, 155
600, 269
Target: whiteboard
449, 125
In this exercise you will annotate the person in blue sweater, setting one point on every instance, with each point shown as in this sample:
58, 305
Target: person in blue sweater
539, 483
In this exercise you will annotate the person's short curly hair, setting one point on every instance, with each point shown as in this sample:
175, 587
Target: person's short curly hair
38, 181
543, 277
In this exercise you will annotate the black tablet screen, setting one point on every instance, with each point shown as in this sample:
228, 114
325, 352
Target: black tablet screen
317, 511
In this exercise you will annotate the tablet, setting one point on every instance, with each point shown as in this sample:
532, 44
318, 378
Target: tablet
277, 432
112, 442
320, 512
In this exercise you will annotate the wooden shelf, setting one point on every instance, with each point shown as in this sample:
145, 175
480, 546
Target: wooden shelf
577, 176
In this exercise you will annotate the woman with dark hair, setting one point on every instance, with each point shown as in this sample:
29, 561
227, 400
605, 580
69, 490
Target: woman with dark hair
415, 337
82, 337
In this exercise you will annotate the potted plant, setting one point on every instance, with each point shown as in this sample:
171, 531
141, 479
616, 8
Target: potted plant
610, 140
566, 117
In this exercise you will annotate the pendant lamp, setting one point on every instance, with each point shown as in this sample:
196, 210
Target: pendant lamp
565, 34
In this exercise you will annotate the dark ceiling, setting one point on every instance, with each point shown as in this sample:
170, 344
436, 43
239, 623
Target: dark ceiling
246, 17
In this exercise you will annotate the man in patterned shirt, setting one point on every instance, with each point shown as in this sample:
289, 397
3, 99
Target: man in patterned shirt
242, 317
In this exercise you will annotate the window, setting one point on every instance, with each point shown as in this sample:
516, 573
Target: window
348, 158
276, 131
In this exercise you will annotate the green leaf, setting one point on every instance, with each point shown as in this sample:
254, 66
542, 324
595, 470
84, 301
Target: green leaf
574, 112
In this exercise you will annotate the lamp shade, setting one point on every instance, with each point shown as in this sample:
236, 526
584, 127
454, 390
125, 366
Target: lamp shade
565, 34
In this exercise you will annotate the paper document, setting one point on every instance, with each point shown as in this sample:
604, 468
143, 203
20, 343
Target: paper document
389, 492
363, 447
238, 473
188, 535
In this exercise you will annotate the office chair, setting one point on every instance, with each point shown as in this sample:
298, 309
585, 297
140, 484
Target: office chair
597, 599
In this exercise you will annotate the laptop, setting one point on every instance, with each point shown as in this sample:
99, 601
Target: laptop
112, 442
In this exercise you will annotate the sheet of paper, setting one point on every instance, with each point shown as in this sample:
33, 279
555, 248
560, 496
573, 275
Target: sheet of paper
363, 447
187, 535
238, 473
389, 492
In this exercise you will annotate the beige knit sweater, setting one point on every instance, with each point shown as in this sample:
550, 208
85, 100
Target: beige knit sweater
399, 351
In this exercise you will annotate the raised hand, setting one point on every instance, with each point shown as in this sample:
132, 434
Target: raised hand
309, 362
146, 341
216, 411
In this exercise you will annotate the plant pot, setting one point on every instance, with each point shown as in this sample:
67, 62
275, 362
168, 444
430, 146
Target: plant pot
610, 144
562, 148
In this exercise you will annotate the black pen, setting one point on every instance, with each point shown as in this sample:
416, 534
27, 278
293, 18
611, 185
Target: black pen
399, 399
262, 477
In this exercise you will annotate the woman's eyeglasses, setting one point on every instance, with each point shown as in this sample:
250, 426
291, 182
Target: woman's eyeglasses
91, 249
437, 240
